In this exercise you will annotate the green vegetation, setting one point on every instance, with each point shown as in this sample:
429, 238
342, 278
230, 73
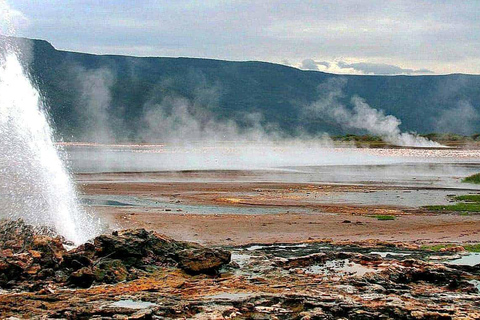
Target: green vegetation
452, 137
475, 178
438, 247
384, 217
460, 207
472, 247
469, 198
444, 138
470, 203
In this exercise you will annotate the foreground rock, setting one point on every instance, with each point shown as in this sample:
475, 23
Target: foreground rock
29, 258
143, 277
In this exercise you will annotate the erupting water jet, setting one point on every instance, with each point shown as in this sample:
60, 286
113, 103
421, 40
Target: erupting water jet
34, 182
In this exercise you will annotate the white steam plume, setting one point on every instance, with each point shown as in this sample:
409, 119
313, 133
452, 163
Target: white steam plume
94, 104
362, 116
461, 119
182, 121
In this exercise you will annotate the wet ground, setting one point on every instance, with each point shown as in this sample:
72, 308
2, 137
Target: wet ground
314, 280
403, 178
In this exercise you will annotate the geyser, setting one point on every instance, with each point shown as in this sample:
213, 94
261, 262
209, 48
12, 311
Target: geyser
34, 182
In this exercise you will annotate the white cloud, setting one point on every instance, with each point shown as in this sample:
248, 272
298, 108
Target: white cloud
441, 36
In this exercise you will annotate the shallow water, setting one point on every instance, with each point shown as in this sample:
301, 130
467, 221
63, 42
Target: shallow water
400, 167
340, 267
401, 198
131, 304
421, 176
471, 259
384, 254
181, 208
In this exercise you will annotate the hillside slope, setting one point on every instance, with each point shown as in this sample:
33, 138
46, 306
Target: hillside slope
120, 90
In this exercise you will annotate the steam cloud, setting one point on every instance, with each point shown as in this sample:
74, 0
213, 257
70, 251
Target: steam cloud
179, 120
176, 119
94, 104
362, 116
461, 119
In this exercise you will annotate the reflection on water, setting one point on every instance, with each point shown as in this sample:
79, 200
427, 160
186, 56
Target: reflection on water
359, 163
131, 304
471, 259
340, 267
181, 208
423, 176
400, 167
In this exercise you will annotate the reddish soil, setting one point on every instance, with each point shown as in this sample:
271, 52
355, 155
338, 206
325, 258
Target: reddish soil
311, 221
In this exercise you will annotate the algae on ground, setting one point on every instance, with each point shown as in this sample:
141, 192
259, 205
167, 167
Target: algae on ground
469, 203
384, 217
474, 178
439, 247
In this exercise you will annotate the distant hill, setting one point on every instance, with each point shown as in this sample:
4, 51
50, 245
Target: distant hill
122, 88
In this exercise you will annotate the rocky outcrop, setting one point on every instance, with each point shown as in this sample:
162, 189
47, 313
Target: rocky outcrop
202, 260
311, 281
31, 258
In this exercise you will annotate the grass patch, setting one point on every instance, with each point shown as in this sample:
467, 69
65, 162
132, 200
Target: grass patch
468, 198
471, 203
472, 247
474, 178
438, 247
384, 217
460, 207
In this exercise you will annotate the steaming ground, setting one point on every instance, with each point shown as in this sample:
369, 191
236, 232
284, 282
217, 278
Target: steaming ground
251, 156
300, 194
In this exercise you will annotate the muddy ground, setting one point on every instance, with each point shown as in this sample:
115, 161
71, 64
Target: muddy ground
226, 213
293, 255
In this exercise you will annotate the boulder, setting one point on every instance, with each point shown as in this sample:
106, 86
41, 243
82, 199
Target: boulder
30, 257
110, 271
83, 277
202, 260
138, 247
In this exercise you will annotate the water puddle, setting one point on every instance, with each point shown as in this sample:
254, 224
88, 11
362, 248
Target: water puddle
468, 260
131, 304
256, 247
402, 198
476, 283
105, 203
385, 254
230, 296
241, 259
177, 207
340, 268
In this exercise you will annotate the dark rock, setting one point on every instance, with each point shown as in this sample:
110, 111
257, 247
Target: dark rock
30, 256
83, 277
76, 260
9, 271
304, 261
110, 271
46, 273
138, 247
203, 260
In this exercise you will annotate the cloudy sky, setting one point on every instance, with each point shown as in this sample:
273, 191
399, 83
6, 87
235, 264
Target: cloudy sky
362, 37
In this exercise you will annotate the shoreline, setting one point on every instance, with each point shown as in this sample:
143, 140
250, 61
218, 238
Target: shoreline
289, 212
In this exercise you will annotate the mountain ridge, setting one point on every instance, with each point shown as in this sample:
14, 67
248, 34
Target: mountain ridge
222, 90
